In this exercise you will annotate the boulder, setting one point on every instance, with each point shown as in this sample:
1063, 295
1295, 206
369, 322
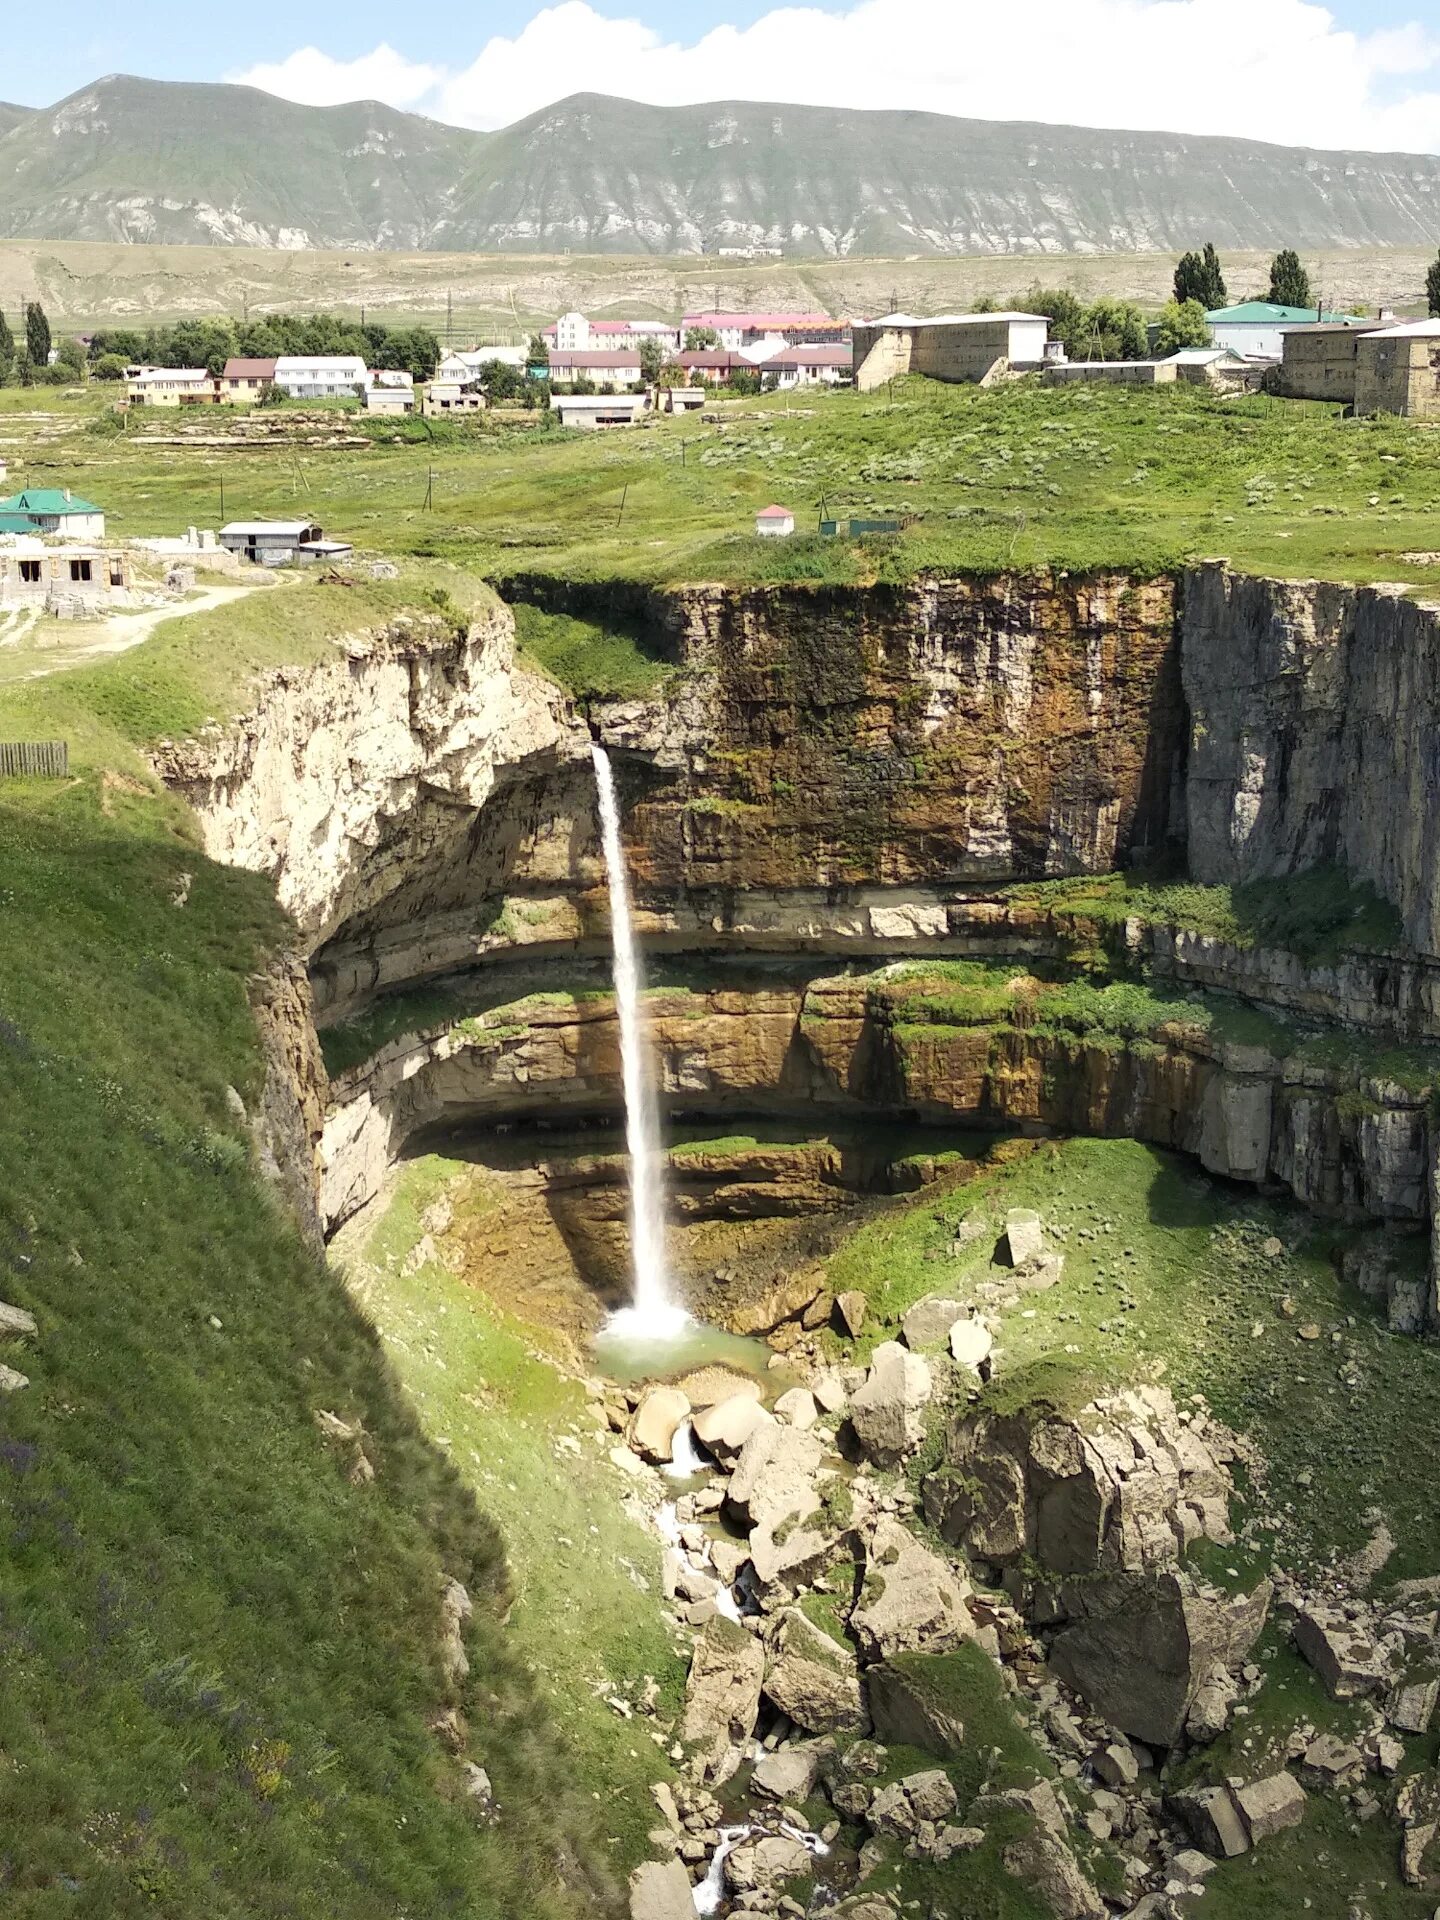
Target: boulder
928, 1322
724, 1428
1340, 1653
971, 1344
1041, 1861
910, 1598
1410, 1708
789, 1773
1212, 1819
16, 1322
797, 1408
722, 1697
850, 1312
786, 1300
901, 1807
886, 1412
1271, 1805
12, 1380
1122, 1484
775, 1473
813, 1678
1142, 1646
765, 1865
789, 1550
660, 1890
829, 1391
908, 1702
1024, 1238
652, 1430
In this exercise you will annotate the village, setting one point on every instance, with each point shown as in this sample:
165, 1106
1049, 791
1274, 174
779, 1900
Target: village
599, 373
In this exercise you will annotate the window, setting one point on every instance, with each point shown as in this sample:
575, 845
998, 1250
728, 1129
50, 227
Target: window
79, 570
30, 572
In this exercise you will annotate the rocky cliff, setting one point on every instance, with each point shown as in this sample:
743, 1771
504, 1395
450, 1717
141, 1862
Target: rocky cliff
867, 773
1315, 726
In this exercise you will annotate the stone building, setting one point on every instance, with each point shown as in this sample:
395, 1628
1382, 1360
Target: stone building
1397, 370
71, 582
957, 347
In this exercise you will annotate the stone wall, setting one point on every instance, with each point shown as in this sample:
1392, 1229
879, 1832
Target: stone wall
1398, 373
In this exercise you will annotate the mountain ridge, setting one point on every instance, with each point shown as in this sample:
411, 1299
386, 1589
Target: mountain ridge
215, 164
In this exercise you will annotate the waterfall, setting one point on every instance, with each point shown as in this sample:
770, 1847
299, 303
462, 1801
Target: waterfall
653, 1312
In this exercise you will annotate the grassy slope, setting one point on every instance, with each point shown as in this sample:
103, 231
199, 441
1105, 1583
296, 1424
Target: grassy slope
219, 1657
581, 1565
1019, 476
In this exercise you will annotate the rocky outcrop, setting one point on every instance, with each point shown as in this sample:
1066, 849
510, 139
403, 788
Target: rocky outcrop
288, 1120
346, 779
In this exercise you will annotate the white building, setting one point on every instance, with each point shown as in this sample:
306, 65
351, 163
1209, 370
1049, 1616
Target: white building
394, 400
169, 386
774, 523
573, 333
324, 376
591, 410
807, 367
281, 543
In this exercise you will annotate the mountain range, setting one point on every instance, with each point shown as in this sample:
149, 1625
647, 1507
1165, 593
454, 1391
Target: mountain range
162, 161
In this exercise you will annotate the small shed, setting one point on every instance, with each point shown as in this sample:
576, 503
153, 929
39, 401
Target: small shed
774, 523
593, 410
280, 543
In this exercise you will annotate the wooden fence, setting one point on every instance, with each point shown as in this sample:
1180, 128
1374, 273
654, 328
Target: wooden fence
34, 759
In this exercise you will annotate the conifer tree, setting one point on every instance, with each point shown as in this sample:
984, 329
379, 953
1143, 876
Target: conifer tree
37, 334
1289, 282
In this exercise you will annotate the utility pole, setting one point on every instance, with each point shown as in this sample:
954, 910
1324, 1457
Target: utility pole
429, 490
623, 495
449, 318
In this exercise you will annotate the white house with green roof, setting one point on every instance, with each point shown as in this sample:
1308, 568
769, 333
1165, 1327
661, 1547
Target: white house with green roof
1257, 328
52, 510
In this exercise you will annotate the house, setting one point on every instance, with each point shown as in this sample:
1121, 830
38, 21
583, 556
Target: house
246, 380
322, 376
808, 367
736, 331
447, 396
956, 347
69, 582
170, 387
1397, 370
391, 400
591, 410
612, 370
681, 399
573, 333
1256, 329
713, 365
280, 543
774, 523
52, 510
1213, 367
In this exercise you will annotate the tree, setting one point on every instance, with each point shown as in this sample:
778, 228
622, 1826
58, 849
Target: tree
1114, 330
701, 339
1065, 314
1289, 282
1182, 324
71, 358
539, 353
652, 359
37, 334
7, 350
110, 366
1198, 277
1432, 285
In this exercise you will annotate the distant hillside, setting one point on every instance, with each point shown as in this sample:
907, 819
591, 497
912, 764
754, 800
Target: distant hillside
140, 160
12, 116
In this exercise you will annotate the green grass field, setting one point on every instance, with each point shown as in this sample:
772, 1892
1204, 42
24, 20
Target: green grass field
1019, 476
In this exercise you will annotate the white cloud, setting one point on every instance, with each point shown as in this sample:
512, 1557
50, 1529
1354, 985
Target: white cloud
320, 81
1281, 70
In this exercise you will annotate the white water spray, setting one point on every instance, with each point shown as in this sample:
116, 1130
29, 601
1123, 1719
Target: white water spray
654, 1314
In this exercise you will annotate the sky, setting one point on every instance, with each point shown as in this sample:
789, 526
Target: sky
1355, 73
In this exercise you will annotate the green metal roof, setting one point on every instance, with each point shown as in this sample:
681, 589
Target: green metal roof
1263, 312
46, 502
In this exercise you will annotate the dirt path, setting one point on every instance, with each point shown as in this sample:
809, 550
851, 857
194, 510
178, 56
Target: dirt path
22, 659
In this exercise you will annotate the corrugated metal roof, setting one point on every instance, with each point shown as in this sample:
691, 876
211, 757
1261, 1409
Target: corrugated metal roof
47, 502
249, 369
1411, 330
269, 529
588, 357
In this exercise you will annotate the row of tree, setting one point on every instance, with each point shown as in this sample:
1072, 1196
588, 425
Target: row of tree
27, 361
1198, 277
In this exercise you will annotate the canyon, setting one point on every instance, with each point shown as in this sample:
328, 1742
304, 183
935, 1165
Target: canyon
941, 886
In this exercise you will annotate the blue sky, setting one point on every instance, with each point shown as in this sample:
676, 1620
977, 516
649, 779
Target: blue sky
1363, 73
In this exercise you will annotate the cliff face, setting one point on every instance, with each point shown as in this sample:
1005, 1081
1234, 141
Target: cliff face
1315, 736
1350, 1143
343, 778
